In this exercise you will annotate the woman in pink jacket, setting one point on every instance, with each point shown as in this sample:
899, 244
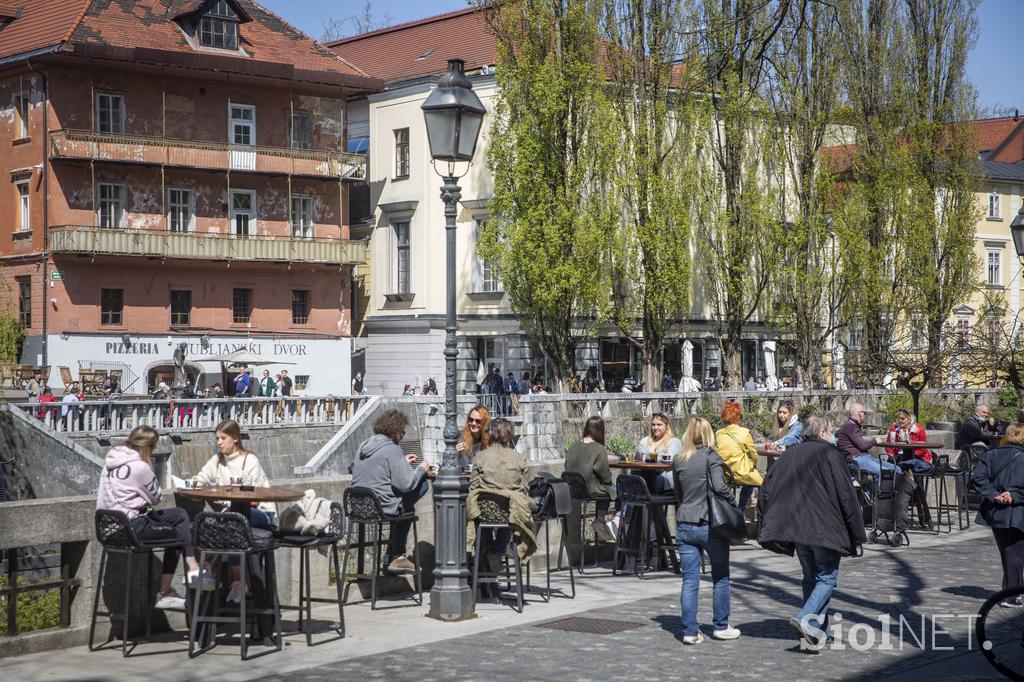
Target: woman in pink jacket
130, 485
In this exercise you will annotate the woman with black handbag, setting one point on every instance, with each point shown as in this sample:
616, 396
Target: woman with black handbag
700, 485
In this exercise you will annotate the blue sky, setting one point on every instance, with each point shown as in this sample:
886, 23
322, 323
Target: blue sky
991, 67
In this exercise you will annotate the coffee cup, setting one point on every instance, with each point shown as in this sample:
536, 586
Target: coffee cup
236, 480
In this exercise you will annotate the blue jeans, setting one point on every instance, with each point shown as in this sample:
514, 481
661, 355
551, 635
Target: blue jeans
870, 464
691, 539
746, 492
258, 520
821, 575
917, 465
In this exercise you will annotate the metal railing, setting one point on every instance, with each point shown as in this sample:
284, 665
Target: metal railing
87, 239
121, 416
145, 149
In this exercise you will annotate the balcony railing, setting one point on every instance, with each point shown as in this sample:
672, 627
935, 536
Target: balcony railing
89, 145
82, 239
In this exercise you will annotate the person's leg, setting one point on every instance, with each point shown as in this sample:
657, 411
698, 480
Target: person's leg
1000, 535
663, 483
167, 524
400, 529
1014, 549
746, 492
826, 577
870, 465
805, 556
718, 555
690, 539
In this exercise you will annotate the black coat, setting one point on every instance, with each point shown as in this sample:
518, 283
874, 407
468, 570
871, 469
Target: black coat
807, 498
999, 470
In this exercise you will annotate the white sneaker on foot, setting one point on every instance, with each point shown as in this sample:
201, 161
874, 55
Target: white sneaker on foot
602, 531
235, 593
728, 632
170, 600
694, 639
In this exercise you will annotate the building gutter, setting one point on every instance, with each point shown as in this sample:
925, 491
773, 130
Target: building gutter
15, 58
46, 206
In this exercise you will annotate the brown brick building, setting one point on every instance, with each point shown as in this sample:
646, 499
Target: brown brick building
170, 171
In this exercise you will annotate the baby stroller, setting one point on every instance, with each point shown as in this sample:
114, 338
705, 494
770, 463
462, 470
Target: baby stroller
889, 508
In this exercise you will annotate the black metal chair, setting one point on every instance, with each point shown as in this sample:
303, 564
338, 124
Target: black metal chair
943, 472
494, 512
330, 537
363, 509
228, 534
582, 496
543, 516
115, 533
644, 508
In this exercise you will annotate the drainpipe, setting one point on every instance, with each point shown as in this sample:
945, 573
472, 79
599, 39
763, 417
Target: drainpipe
46, 206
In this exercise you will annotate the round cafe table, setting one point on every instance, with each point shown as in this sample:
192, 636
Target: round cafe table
240, 500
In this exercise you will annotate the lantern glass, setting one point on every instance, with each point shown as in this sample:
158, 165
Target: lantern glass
442, 127
1017, 231
468, 133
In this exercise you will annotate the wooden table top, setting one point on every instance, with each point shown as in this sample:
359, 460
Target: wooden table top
765, 452
233, 492
927, 445
641, 466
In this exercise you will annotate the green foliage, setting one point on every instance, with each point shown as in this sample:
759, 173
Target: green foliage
620, 445
807, 409
759, 416
1008, 405
706, 410
36, 610
12, 337
931, 411
637, 417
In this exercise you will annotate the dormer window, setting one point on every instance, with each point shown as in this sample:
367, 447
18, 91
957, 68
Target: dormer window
218, 27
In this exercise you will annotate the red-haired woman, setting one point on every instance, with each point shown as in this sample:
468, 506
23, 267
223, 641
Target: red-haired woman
736, 448
474, 436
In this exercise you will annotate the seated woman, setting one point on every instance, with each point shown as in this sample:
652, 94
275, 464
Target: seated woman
661, 442
500, 470
736, 448
233, 461
788, 428
919, 461
129, 484
474, 436
588, 457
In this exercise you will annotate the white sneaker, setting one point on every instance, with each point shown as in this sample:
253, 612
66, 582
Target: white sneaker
206, 581
694, 639
602, 531
235, 593
1014, 603
728, 632
170, 600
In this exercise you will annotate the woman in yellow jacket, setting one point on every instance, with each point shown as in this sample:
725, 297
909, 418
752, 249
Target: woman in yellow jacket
736, 448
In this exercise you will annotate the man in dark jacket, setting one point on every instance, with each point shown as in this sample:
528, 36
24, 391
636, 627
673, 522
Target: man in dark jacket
975, 430
998, 477
393, 476
808, 506
856, 447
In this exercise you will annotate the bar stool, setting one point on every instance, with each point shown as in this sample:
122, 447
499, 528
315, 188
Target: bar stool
330, 537
582, 496
633, 492
545, 514
115, 533
494, 512
362, 508
943, 472
228, 534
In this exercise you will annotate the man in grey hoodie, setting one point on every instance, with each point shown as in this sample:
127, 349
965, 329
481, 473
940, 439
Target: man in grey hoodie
380, 466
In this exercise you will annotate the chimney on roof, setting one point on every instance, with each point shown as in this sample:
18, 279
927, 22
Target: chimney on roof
1016, 115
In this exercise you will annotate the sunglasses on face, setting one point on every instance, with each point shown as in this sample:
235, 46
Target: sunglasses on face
475, 421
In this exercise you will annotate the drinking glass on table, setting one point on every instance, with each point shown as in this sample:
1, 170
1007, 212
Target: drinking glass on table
236, 480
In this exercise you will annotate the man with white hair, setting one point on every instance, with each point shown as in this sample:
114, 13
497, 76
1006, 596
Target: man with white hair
975, 430
856, 447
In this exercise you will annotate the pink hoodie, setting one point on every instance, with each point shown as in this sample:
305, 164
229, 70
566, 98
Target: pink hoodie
127, 484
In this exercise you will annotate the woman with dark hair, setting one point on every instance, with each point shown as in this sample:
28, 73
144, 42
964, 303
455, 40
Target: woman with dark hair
474, 436
589, 458
129, 484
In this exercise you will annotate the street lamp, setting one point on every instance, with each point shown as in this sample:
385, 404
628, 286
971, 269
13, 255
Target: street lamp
453, 115
1017, 231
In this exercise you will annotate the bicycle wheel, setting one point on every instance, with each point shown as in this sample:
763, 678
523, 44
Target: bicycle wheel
1000, 633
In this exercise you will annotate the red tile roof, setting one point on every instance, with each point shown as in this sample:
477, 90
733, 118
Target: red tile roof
422, 47
145, 30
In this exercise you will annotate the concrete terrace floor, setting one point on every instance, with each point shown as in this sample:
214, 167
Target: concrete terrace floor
945, 574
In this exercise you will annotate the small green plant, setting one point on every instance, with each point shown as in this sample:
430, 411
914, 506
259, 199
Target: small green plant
807, 409
1009, 405
37, 610
637, 417
620, 445
760, 417
12, 337
706, 410
889, 405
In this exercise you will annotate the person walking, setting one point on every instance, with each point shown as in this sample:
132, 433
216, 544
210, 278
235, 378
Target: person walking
808, 507
999, 479
698, 469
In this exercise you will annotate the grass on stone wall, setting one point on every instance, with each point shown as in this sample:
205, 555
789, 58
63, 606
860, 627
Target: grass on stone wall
36, 610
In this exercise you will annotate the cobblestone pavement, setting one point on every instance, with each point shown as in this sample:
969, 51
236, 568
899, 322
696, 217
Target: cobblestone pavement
935, 590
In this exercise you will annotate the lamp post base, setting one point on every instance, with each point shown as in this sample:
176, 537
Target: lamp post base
451, 605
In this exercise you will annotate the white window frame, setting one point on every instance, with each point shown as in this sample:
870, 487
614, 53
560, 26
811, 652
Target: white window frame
116, 125
244, 122
487, 282
22, 105
995, 204
855, 337
188, 206
963, 329
293, 141
397, 249
119, 194
233, 213
24, 206
302, 216
994, 275
402, 160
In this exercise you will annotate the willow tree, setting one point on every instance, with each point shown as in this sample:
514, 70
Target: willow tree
739, 233
804, 90
656, 123
551, 155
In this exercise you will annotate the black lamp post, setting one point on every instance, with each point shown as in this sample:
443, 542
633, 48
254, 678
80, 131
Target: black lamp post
1017, 232
453, 115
